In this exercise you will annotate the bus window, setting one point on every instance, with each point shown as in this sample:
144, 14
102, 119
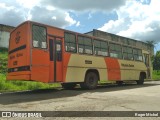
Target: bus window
70, 42
59, 51
127, 53
84, 45
100, 48
137, 54
115, 50
39, 36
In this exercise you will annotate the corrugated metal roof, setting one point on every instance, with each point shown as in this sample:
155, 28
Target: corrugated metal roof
6, 28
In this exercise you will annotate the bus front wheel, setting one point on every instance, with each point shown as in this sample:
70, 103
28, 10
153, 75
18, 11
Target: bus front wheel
141, 80
68, 86
90, 82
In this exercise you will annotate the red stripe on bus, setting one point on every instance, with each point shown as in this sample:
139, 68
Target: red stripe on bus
65, 65
113, 69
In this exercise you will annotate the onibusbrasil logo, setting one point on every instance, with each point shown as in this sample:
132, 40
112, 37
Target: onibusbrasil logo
21, 114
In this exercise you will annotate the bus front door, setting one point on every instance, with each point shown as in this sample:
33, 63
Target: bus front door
55, 49
147, 63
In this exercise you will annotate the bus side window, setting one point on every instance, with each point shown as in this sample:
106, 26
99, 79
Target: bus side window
100, 48
115, 50
127, 53
59, 51
70, 42
137, 54
85, 45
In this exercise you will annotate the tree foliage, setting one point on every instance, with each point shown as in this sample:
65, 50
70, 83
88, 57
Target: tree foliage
151, 44
156, 61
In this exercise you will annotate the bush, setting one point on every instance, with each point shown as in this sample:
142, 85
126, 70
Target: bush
2, 49
3, 60
156, 75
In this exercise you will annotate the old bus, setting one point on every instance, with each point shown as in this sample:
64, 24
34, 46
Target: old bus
48, 54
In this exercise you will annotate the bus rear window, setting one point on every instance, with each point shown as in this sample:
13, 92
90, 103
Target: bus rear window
39, 36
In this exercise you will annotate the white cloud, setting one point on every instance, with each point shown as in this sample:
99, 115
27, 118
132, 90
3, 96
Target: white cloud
136, 20
58, 18
113, 26
89, 16
9, 15
145, 1
29, 16
52, 12
4, 6
54, 17
78, 24
15, 12
69, 19
28, 3
50, 8
87, 5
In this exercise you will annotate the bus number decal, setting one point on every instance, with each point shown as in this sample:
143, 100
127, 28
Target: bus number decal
88, 62
127, 65
19, 54
15, 62
12, 57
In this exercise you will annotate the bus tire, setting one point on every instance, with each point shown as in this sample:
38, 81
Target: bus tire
68, 86
90, 82
141, 80
119, 83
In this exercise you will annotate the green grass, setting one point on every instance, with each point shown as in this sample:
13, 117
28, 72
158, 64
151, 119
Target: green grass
156, 75
3, 60
6, 86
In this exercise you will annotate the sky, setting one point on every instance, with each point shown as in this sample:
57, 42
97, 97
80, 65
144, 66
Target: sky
136, 19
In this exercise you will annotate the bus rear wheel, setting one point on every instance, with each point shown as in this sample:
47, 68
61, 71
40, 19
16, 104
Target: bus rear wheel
119, 83
68, 86
141, 80
90, 82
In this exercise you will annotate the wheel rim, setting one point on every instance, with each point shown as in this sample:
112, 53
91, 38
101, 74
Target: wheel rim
91, 81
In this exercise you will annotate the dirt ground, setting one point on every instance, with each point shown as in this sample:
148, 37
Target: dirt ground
130, 97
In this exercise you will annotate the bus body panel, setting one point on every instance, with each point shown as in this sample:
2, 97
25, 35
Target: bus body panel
66, 59
19, 77
79, 64
130, 70
19, 53
40, 65
113, 69
73, 66
109, 69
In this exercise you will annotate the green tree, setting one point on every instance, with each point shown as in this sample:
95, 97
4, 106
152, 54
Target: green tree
151, 43
156, 61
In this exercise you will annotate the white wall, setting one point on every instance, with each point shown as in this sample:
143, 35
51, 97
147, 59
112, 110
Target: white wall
4, 39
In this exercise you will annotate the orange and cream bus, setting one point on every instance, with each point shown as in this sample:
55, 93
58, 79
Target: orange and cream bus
48, 54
